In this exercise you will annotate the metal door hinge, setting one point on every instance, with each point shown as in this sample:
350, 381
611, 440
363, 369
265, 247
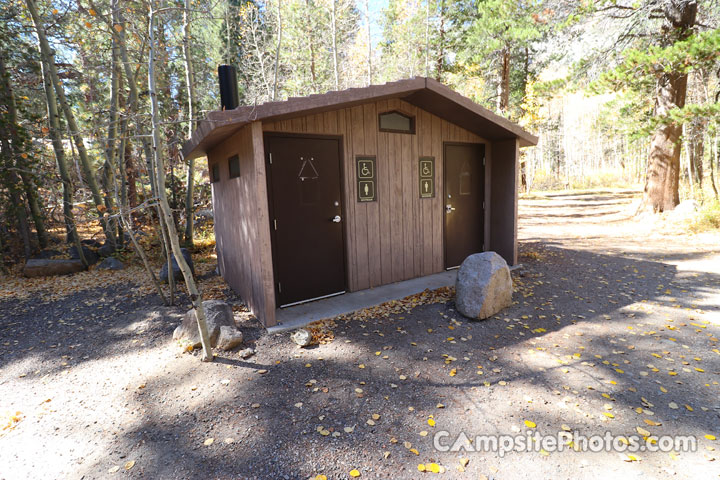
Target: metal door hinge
270, 158
279, 287
275, 223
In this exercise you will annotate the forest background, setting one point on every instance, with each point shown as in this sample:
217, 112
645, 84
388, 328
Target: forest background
98, 96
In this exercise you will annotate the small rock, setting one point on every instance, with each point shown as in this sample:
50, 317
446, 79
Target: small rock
229, 338
483, 285
302, 337
106, 250
88, 253
217, 314
177, 274
111, 263
246, 353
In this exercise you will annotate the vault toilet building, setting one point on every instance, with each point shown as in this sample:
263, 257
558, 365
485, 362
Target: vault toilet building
349, 190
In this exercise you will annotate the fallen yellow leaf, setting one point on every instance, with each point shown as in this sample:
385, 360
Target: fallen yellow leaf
530, 424
354, 473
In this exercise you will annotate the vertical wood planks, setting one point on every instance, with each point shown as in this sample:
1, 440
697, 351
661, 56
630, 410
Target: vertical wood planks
263, 249
360, 221
399, 236
372, 208
384, 188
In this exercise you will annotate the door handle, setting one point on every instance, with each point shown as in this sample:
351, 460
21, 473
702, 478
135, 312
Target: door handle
336, 219
449, 208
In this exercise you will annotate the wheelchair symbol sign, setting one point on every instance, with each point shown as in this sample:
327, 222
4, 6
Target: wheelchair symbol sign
426, 168
365, 169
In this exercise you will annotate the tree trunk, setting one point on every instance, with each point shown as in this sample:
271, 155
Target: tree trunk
696, 149
48, 56
277, 53
12, 182
13, 133
440, 67
131, 174
67, 186
190, 82
712, 167
503, 93
334, 44
167, 218
427, 38
369, 44
663, 169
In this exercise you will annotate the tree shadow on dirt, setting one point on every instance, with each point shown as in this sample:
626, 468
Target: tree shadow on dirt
583, 324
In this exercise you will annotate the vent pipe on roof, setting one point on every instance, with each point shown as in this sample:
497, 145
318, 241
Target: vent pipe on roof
227, 75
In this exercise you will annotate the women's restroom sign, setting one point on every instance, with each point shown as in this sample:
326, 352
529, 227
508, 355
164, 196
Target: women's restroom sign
366, 179
427, 177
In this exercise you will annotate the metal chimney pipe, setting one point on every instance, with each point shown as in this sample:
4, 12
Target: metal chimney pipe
227, 75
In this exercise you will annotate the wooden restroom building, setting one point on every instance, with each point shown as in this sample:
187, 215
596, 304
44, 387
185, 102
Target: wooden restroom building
349, 190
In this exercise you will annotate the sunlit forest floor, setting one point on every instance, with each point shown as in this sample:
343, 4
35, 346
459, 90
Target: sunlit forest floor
614, 328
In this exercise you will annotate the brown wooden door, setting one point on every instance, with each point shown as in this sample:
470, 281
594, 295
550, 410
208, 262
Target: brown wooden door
306, 217
463, 201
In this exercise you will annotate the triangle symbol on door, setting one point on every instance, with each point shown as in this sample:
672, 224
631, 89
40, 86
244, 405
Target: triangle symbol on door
307, 169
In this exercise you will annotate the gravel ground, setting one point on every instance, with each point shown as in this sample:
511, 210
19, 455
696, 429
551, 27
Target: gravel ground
614, 326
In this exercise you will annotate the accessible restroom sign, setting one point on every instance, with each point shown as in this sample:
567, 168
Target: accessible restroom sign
427, 177
366, 179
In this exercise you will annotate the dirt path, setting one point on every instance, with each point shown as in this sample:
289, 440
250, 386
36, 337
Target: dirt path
615, 326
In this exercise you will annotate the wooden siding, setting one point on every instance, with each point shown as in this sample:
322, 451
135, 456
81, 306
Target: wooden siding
242, 231
400, 236
504, 200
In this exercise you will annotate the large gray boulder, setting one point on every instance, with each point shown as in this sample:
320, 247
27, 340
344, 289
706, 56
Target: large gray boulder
483, 285
177, 274
44, 267
217, 315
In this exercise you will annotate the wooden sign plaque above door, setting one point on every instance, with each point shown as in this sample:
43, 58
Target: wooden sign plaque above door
366, 178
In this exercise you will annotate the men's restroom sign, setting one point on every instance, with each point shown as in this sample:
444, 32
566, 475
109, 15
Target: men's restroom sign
427, 177
366, 180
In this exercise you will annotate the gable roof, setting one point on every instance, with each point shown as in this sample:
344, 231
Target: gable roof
425, 93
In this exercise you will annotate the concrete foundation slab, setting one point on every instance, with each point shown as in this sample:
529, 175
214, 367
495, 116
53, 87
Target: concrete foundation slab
300, 315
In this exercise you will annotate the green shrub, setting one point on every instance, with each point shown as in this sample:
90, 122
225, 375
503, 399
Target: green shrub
708, 217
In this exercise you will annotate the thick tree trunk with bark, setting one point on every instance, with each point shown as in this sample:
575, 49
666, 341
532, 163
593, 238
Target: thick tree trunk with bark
503, 93
663, 169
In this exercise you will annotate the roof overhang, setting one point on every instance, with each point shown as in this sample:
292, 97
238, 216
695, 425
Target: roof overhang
425, 93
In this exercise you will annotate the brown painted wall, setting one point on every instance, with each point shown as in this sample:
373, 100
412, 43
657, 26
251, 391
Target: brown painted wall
503, 199
400, 236
242, 230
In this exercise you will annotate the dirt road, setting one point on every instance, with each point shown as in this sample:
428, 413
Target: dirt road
614, 328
